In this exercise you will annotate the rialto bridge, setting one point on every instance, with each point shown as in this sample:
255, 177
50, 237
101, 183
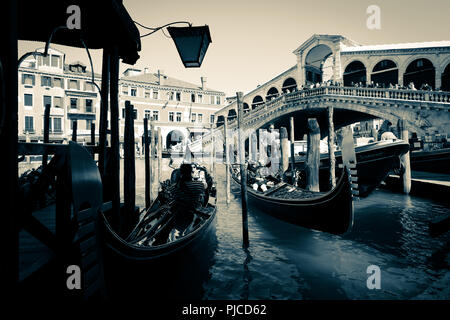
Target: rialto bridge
332, 70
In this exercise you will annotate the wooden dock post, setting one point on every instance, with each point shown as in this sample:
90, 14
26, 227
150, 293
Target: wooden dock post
159, 155
227, 160
46, 133
292, 134
147, 165
74, 130
129, 173
212, 153
151, 154
103, 126
284, 163
331, 147
313, 156
243, 170
405, 163
93, 134
114, 157
253, 147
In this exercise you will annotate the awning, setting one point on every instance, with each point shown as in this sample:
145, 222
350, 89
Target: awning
104, 23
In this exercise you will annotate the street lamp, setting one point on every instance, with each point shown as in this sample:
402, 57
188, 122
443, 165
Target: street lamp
191, 43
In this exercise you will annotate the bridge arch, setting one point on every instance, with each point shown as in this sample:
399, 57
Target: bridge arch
258, 100
445, 78
220, 120
246, 107
174, 137
420, 71
318, 64
289, 85
354, 72
385, 72
272, 93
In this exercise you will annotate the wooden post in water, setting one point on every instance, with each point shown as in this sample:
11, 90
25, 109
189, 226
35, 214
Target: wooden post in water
104, 95
253, 147
129, 173
115, 157
159, 155
151, 153
405, 163
147, 165
284, 163
227, 160
212, 153
292, 133
243, 170
331, 147
74, 130
313, 156
93, 134
46, 133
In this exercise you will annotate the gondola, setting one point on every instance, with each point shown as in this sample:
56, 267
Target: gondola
330, 211
148, 264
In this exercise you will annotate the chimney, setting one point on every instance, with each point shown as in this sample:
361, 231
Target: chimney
146, 70
203, 80
161, 77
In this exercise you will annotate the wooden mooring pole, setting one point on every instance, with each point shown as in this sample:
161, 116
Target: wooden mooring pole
212, 153
227, 160
292, 134
404, 159
159, 155
151, 153
147, 164
313, 156
46, 133
284, 146
103, 126
331, 147
129, 173
243, 170
93, 134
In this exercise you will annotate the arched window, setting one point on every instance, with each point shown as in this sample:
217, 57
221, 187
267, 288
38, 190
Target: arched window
220, 120
445, 84
420, 72
246, 107
289, 85
354, 73
257, 101
231, 114
385, 73
272, 94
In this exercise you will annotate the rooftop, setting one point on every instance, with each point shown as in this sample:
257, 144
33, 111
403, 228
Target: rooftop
398, 46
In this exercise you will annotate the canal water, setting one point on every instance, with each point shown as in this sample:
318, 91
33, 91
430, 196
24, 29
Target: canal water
290, 262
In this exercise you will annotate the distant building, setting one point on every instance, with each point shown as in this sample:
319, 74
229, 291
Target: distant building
67, 87
181, 109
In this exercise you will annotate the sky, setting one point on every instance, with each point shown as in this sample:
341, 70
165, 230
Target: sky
253, 40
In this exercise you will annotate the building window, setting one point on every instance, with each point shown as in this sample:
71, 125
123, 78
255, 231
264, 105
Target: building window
73, 84
193, 117
29, 127
73, 103
133, 92
58, 102
217, 100
178, 116
89, 86
200, 117
57, 125
192, 97
125, 90
212, 99
147, 94
46, 60
171, 116
46, 81
155, 94
28, 79
58, 82
55, 61
155, 115
28, 100
47, 101
88, 124
88, 105
147, 114
170, 95
211, 118
178, 96
200, 98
